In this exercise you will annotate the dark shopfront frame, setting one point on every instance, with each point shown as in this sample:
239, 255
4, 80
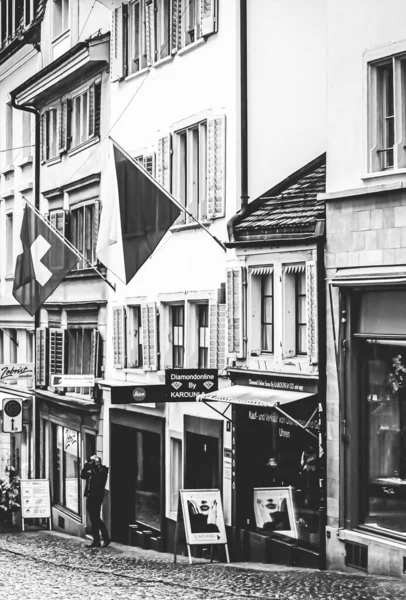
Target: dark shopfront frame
257, 547
353, 429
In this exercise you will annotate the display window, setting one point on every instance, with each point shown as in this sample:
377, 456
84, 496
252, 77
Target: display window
277, 471
65, 467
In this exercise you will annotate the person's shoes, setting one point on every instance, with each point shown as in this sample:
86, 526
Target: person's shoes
106, 543
94, 545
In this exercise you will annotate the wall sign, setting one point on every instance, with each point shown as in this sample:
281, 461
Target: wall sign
15, 372
131, 394
183, 385
62, 381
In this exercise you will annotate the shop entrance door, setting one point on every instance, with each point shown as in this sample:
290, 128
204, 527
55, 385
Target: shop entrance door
122, 481
202, 462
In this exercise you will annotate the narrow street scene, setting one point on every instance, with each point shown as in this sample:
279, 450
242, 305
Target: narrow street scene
41, 565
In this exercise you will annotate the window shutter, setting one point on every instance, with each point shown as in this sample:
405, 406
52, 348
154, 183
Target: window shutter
117, 45
57, 218
163, 168
149, 336
91, 111
119, 337
235, 311
150, 32
57, 353
217, 332
175, 25
97, 107
208, 17
311, 302
63, 127
44, 137
95, 351
216, 167
148, 162
41, 364
96, 220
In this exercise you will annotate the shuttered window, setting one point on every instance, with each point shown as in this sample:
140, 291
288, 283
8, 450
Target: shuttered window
57, 351
216, 148
119, 337
217, 332
41, 358
178, 336
164, 163
149, 336
50, 128
84, 225
134, 337
267, 314
203, 336
235, 310
83, 349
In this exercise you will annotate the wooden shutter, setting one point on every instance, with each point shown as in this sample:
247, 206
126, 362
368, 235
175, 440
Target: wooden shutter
44, 137
164, 159
311, 302
63, 127
150, 31
97, 107
41, 363
57, 354
175, 25
149, 336
119, 341
216, 155
95, 352
208, 17
95, 232
117, 45
91, 111
235, 310
217, 333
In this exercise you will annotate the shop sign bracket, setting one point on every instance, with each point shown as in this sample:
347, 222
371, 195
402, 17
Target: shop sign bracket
222, 414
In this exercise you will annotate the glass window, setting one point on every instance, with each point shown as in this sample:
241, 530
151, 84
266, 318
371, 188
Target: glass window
65, 467
267, 313
80, 119
178, 348
60, 17
148, 482
163, 24
192, 169
83, 232
301, 319
176, 471
203, 318
9, 244
13, 345
51, 134
134, 340
387, 116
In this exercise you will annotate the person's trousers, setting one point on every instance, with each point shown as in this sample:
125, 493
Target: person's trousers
93, 507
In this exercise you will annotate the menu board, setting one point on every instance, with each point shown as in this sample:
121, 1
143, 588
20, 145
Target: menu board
35, 499
203, 517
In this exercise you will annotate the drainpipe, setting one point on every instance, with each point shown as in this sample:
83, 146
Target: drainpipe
244, 103
37, 164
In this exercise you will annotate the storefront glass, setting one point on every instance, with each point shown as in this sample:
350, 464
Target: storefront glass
148, 483
277, 471
65, 467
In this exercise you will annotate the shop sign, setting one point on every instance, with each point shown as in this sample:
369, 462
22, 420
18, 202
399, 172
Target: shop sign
63, 381
14, 372
203, 517
284, 423
276, 383
35, 499
131, 394
184, 385
274, 510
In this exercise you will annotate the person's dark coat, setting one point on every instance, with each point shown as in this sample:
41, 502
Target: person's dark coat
95, 480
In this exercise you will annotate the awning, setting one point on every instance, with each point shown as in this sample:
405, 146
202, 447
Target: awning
261, 270
298, 268
266, 397
366, 276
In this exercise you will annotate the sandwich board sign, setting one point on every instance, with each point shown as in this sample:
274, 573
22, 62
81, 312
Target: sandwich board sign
35, 500
203, 519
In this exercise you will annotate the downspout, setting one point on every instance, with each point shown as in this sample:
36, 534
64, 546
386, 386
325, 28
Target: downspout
243, 120
37, 164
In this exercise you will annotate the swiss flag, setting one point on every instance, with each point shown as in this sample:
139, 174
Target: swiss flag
45, 261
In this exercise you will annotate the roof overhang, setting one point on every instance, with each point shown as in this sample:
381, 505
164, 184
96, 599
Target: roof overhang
81, 61
370, 276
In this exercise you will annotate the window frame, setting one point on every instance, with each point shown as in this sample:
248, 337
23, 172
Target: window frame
77, 225
178, 334
264, 323
298, 324
61, 499
135, 348
9, 266
64, 26
203, 338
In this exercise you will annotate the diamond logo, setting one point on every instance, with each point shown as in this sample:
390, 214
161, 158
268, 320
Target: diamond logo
208, 384
176, 385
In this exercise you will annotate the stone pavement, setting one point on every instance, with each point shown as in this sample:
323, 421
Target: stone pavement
46, 565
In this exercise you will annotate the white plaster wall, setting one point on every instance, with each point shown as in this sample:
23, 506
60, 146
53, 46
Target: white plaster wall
354, 29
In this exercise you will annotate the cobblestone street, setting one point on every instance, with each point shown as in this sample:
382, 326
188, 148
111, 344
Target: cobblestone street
42, 565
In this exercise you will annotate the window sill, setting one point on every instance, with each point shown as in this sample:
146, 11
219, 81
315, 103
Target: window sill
25, 161
191, 47
8, 194
75, 516
380, 174
186, 226
134, 370
85, 272
163, 61
53, 161
84, 146
143, 71
9, 277
8, 169
60, 37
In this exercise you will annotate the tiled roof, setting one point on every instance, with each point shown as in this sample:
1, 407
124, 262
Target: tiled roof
291, 206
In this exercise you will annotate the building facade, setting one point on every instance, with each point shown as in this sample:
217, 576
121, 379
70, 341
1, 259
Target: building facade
366, 272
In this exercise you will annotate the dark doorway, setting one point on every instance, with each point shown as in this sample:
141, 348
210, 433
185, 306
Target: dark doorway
202, 462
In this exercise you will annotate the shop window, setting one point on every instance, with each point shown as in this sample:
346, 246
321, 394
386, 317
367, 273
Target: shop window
148, 482
387, 114
134, 337
9, 245
176, 472
203, 335
65, 467
60, 17
178, 336
84, 224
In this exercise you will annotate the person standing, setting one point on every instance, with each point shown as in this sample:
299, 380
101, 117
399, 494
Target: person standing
96, 476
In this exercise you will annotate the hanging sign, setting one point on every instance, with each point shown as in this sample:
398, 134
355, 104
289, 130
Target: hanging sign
63, 381
15, 372
184, 385
35, 499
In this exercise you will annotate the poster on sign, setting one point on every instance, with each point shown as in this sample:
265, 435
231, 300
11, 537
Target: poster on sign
203, 517
274, 510
35, 499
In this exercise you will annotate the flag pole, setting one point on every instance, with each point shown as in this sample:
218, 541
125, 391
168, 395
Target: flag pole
168, 194
69, 244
